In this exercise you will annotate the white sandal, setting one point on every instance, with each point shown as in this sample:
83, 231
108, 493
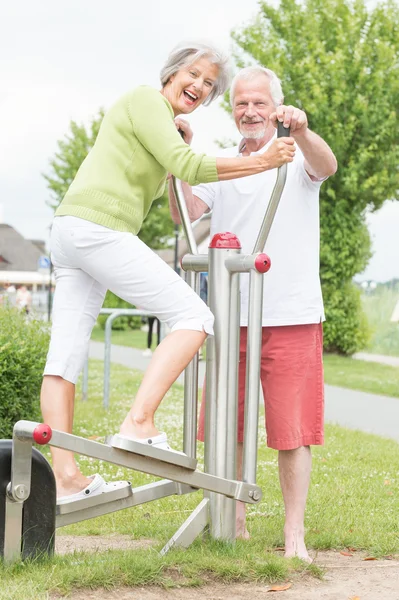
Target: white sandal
157, 441
97, 486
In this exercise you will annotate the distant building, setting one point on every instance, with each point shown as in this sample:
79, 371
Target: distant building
19, 259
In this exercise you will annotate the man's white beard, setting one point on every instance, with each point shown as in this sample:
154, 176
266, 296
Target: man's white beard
252, 135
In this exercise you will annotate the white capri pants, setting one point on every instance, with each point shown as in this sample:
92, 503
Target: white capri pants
88, 260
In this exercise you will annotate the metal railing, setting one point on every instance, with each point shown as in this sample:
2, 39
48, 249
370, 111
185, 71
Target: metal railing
114, 313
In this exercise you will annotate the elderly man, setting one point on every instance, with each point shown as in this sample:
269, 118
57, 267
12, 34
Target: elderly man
291, 362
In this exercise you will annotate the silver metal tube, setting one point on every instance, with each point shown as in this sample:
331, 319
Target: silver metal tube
252, 387
222, 513
271, 210
195, 262
210, 405
114, 314
234, 489
275, 198
107, 357
191, 391
242, 263
162, 331
233, 359
126, 311
232, 394
184, 218
85, 380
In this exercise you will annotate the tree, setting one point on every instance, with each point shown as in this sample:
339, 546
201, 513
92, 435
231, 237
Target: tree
157, 228
338, 60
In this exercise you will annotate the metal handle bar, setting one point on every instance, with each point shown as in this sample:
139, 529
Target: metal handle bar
183, 212
275, 198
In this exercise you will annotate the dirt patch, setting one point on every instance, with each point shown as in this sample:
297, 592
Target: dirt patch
65, 544
346, 578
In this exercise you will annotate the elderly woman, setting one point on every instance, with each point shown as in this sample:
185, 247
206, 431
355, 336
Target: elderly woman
95, 247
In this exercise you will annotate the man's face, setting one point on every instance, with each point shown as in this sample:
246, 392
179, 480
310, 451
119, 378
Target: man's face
252, 106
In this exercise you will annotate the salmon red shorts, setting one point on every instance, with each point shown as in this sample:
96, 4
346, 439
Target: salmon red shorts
293, 386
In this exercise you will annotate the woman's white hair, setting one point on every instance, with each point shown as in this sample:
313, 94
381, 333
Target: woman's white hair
187, 53
249, 73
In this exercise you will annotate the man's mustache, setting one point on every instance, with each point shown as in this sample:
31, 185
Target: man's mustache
249, 122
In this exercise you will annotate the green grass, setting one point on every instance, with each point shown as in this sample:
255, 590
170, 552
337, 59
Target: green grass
370, 377
352, 502
379, 307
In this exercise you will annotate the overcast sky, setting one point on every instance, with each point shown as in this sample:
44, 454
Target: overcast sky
61, 60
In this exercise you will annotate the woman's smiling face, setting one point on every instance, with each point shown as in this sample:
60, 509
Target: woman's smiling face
191, 85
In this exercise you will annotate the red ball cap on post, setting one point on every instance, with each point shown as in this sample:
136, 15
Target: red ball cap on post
42, 434
225, 240
262, 263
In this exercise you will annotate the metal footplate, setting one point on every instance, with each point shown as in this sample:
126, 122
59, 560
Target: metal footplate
168, 456
145, 461
95, 500
146, 493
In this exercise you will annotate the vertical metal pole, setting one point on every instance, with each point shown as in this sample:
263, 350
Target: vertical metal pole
176, 255
210, 401
252, 387
191, 391
49, 296
163, 331
85, 380
107, 358
183, 212
222, 509
232, 394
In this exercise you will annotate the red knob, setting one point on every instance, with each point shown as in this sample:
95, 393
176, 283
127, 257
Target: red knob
262, 263
42, 434
225, 240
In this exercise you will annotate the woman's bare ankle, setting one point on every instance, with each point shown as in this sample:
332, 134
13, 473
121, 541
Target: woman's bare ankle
67, 484
137, 426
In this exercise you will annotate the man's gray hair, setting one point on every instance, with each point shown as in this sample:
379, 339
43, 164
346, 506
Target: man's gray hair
250, 73
188, 53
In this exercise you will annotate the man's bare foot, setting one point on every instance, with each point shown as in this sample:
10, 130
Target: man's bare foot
241, 528
68, 486
295, 545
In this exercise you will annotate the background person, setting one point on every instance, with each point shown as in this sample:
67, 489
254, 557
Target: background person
94, 245
291, 355
151, 321
23, 299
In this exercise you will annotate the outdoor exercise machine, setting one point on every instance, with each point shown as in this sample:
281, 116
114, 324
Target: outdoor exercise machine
29, 514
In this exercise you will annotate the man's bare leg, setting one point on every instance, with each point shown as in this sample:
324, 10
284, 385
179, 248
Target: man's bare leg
294, 469
241, 528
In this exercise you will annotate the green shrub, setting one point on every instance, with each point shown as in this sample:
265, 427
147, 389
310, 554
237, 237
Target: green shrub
23, 349
346, 329
121, 323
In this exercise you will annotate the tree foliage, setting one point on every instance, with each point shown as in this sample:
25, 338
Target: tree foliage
157, 228
338, 61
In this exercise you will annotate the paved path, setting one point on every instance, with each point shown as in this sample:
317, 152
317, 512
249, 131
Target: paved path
378, 358
349, 408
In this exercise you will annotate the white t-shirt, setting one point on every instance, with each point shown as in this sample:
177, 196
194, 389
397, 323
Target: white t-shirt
292, 292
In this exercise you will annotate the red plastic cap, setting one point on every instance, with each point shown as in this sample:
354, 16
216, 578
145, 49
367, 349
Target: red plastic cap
262, 263
225, 240
42, 434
